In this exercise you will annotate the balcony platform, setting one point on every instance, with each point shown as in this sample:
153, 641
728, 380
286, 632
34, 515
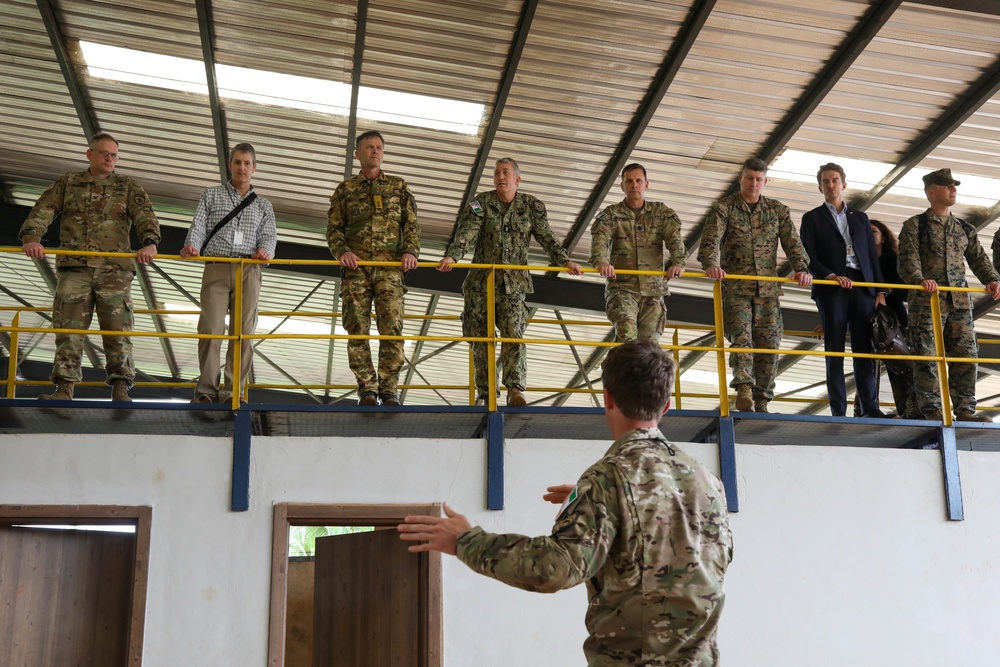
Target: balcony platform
24, 416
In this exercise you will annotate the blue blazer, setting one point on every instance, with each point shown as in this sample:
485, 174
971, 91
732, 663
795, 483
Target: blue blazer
828, 252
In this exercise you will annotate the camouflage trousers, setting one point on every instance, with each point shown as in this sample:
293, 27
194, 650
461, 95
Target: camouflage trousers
80, 291
636, 316
959, 341
753, 321
511, 317
359, 288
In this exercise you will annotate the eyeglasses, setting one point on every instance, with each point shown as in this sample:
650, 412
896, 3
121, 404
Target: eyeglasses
104, 153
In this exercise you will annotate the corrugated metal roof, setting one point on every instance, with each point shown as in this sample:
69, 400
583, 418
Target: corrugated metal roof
585, 70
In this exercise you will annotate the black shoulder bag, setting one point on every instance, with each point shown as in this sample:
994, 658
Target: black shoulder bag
249, 199
888, 338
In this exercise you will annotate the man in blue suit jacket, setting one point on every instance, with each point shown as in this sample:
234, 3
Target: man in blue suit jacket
841, 247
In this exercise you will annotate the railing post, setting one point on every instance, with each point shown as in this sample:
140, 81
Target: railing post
12, 361
677, 371
491, 358
236, 326
941, 363
472, 376
720, 343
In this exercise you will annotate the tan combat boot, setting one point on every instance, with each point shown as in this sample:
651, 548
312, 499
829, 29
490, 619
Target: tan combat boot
119, 391
515, 398
744, 398
760, 405
967, 415
63, 392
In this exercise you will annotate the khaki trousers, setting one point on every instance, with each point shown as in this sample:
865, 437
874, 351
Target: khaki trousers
218, 297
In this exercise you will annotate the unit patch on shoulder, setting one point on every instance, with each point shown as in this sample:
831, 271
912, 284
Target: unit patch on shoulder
601, 215
574, 494
476, 207
139, 200
538, 205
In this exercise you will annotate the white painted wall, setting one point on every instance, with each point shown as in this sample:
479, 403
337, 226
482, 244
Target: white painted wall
843, 556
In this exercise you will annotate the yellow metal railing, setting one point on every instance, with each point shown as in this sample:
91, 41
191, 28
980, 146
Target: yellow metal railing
491, 340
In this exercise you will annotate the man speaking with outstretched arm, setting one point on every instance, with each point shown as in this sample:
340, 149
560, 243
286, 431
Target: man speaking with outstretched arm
646, 528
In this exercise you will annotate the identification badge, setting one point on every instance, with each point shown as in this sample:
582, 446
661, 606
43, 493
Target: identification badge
378, 202
237, 239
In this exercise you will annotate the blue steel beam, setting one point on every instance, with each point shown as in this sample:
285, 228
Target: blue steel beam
952, 479
494, 461
727, 463
242, 437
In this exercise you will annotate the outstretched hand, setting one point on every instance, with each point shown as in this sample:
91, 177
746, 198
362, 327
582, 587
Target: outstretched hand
557, 495
435, 533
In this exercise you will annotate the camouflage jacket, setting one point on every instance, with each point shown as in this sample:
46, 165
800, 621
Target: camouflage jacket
937, 251
376, 219
746, 243
647, 529
97, 215
627, 241
503, 238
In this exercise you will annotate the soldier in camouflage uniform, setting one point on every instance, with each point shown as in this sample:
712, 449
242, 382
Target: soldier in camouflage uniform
631, 235
499, 224
646, 528
373, 217
933, 248
741, 236
98, 209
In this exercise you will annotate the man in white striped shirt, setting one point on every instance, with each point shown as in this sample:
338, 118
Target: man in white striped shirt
248, 230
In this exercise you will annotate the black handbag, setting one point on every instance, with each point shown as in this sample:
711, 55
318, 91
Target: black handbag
888, 338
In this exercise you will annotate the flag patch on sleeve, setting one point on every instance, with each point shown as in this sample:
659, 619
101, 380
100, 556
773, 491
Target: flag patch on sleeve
573, 495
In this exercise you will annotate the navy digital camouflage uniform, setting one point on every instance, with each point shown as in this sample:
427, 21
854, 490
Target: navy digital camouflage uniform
938, 250
501, 234
744, 241
97, 215
647, 530
376, 219
635, 241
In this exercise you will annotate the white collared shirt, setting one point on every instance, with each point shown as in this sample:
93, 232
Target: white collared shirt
841, 219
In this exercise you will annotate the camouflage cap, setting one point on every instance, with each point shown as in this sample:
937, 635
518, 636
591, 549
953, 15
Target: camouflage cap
939, 177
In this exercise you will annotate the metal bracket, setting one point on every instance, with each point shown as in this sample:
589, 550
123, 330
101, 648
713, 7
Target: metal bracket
727, 462
494, 461
952, 479
242, 436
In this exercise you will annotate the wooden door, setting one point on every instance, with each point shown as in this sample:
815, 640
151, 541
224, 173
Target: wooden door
370, 602
65, 597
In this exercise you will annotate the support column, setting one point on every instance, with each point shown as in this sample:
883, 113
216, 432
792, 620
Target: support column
727, 462
242, 436
494, 461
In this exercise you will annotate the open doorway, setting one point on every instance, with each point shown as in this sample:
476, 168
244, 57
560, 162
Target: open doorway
357, 597
73, 584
